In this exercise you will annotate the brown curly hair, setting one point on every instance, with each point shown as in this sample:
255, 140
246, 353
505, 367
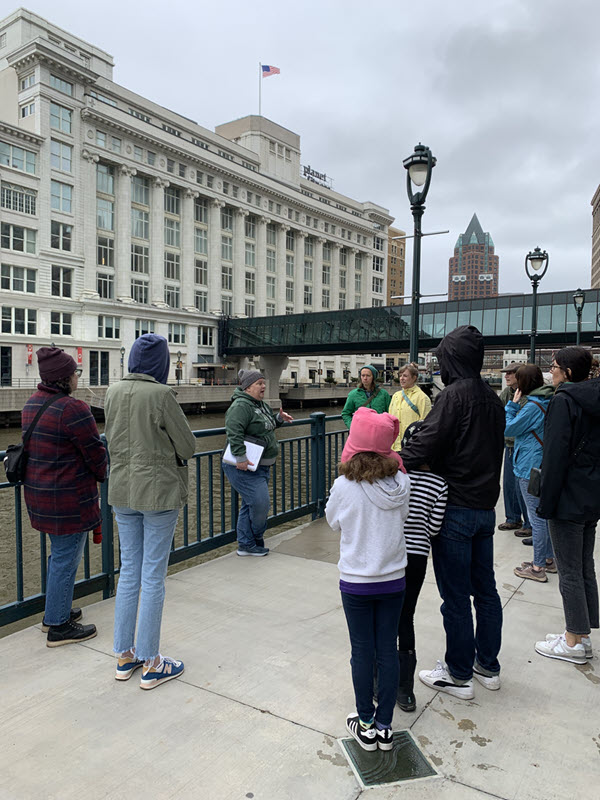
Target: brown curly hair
368, 467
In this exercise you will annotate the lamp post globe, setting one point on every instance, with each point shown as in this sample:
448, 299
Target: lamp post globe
419, 166
536, 265
122, 352
578, 302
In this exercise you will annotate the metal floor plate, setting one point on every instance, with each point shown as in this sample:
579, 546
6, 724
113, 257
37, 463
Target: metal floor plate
404, 762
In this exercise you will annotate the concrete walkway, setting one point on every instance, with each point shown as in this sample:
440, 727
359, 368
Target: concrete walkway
267, 688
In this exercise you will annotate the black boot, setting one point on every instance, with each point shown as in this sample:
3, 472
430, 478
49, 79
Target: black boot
69, 633
406, 696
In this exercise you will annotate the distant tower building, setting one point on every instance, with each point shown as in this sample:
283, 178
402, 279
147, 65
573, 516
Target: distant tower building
473, 267
596, 240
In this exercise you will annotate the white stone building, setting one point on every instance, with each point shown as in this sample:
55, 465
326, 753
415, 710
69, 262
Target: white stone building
120, 217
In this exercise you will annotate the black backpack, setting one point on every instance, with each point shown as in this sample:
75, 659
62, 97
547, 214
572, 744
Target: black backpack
15, 460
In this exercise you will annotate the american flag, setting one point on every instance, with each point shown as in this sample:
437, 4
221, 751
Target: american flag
267, 70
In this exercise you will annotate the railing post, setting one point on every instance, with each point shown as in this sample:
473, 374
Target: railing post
108, 542
317, 466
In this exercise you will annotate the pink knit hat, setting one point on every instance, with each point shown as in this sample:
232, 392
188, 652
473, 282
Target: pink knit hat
371, 432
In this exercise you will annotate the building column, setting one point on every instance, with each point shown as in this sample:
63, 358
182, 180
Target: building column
280, 273
335, 276
123, 233
239, 263
367, 279
318, 274
272, 367
187, 250
90, 288
157, 243
261, 267
214, 256
299, 273
350, 275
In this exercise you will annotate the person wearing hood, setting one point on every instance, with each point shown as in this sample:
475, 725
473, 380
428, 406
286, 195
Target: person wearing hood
525, 424
368, 394
149, 440
368, 503
249, 418
462, 440
514, 505
570, 501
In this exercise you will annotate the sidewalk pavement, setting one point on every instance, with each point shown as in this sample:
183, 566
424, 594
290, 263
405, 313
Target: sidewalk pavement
267, 688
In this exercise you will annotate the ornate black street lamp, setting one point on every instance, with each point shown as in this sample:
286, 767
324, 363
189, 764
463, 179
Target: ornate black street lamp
179, 367
579, 302
418, 167
122, 351
536, 264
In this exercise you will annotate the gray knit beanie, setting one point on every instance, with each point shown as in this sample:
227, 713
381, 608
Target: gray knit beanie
247, 377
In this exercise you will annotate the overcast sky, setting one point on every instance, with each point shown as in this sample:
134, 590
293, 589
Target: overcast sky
504, 92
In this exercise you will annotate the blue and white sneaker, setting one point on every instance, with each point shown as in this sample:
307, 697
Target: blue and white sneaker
253, 550
126, 667
167, 670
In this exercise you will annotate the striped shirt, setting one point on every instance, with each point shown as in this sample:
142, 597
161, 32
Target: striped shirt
427, 506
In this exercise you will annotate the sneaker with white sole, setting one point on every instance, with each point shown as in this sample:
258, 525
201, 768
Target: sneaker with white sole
253, 550
491, 682
440, 679
365, 735
385, 739
585, 641
167, 670
558, 648
126, 667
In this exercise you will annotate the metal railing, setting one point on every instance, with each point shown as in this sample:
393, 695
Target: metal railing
300, 482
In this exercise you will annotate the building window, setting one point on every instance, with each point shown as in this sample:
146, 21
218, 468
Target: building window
378, 243
170, 166
250, 284
378, 263
201, 210
17, 279
105, 251
308, 270
109, 327
182, 170
139, 291
140, 224
342, 279
307, 295
201, 272
358, 261
100, 138
271, 263
18, 198
250, 228
61, 196
176, 333
377, 302
60, 118
226, 305
377, 285
227, 278
140, 190
342, 301
15, 237
105, 284
326, 274
271, 234
60, 235
249, 307
27, 110
17, 158
226, 248
150, 157
105, 214
138, 154
63, 86
250, 254
205, 336
27, 81
325, 298
201, 300
105, 179
326, 252
289, 241
289, 291
172, 266
60, 323
140, 258
61, 155
357, 283
309, 246
62, 282
19, 320
172, 232
270, 309
270, 287
289, 266
172, 200
172, 298
115, 144
143, 326
227, 219
201, 241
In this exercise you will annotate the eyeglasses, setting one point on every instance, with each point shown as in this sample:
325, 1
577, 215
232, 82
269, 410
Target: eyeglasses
79, 372
555, 366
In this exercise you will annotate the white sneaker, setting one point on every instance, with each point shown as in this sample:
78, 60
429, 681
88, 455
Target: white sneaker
440, 679
585, 641
491, 682
558, 648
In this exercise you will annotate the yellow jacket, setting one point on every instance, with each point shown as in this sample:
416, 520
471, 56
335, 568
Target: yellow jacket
400, 409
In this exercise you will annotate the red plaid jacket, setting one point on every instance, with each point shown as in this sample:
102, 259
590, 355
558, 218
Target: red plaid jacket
66, 459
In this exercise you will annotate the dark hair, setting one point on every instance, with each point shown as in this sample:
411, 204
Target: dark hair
574, 360
368, 467
529, 377
62, 384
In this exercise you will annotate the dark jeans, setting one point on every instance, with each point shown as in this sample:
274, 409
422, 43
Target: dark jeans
573, 544
373, 627
463, 560
415, 575
254, 490
514, 505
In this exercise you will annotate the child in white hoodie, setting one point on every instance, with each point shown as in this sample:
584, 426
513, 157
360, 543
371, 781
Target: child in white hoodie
369, 504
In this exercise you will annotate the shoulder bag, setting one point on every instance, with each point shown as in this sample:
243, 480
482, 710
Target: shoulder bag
15, 460
535, 476
410, 403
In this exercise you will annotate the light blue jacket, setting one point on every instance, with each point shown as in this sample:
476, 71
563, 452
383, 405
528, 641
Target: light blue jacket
522, 423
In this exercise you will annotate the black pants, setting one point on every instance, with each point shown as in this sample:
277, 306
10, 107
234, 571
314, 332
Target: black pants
573, 544
415, 575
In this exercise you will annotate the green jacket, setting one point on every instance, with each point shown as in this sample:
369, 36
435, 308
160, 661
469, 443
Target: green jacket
247, 417
505, 395
148, 437
380, 401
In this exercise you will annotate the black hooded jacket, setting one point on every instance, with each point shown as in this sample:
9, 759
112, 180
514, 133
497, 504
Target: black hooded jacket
571, 461
462, 439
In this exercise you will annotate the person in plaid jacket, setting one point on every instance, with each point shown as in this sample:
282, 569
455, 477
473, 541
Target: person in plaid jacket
66, 459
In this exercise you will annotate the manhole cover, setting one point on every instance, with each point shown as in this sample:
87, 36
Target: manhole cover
404, 762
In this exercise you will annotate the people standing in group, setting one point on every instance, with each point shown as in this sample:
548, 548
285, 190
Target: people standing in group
66, 459
149, 440
570, 500
428, 498
462, 440
249, 418
368, 394
368, 503
514, 505
410, 403
525, 424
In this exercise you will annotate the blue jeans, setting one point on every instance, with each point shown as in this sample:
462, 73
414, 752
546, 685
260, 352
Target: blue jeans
542, 546
253, 487
65, 554
463, 560
145, 538
514, 505
373, 627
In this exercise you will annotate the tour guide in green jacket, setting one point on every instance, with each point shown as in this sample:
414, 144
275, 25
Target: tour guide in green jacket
250, 418
368, 394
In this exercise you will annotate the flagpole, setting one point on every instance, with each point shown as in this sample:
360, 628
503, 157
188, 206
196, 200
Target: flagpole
259, 89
